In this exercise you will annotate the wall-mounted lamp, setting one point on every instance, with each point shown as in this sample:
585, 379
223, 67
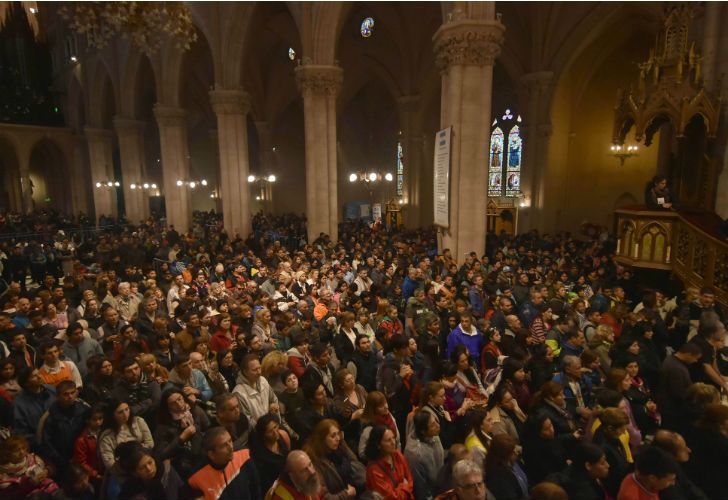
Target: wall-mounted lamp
623, 152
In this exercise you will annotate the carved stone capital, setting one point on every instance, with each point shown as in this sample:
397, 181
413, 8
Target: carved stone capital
316, 79
169, 116
230, 102
468, 43
124, 125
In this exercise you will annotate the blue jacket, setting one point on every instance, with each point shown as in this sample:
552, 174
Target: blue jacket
58, 429
476, 302
408, 287
586, 391
474, 343
28, 409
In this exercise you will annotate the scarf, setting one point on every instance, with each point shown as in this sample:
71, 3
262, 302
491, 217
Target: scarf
388, 421
184, 417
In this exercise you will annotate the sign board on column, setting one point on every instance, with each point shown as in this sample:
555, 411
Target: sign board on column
442, 177
377, 211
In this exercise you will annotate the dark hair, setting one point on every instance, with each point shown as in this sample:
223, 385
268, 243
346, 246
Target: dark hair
586, 453
474, 423
609, 398
247, 359
653, 461
24, 375
398, 342
208, 442
126, 363
64, 385
262, 424
421, 421
690, 348
163, 414
372, 450
109, 420
48, 344
129, 454
499, 454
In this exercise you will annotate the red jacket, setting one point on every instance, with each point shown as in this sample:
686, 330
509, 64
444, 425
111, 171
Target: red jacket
396, 484
282, 489
84, 454
220, 341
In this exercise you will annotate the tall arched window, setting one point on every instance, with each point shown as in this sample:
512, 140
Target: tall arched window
504, 165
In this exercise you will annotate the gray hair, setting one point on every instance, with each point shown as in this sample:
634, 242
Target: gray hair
463, 469
569, 360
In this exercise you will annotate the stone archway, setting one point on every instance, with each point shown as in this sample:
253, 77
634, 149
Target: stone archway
49, 174
10, 194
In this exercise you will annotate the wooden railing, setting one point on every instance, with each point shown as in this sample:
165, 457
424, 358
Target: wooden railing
674, 242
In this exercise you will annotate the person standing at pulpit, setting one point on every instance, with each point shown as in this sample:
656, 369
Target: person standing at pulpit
658, 196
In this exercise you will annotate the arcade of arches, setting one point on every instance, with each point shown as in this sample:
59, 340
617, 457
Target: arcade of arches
294, 90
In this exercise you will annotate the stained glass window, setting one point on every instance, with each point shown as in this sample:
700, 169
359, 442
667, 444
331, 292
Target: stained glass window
400, 170
367, 27
505, 156
495, 169
513, 169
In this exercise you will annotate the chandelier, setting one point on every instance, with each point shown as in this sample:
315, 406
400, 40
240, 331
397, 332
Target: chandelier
146, 24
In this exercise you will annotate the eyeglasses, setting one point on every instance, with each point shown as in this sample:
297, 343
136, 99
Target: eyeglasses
473, 486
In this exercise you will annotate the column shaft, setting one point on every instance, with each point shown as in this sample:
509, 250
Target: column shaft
320, 86
411, 140
175, 164
130, 134
465, 54
100, 162
231, 107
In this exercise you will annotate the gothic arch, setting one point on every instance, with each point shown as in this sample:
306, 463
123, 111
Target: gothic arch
76, 104
130, 82
102, 96
234, 39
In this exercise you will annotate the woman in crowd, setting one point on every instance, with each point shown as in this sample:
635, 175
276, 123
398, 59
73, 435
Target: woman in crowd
541, 366
514, 379
120, 426
387, 471
153, 370
224, 336
376, 412
264, 329
349, 400
504, 476
425, 455
342, 473
467, 377
584, 478
316, 408
543, 454
273, 365
505, 414
269, 447
179, 432
101, 384
8, 379
613, 424
146, 476
226, 367
479, 434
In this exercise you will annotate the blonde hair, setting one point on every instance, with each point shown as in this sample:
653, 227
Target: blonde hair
603, 332
271, 361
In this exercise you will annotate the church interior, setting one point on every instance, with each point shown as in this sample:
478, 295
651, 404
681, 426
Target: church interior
559, 114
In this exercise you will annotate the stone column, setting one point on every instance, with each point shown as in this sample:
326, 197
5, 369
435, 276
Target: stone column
411, 140
320, 85
101, 164
536, 134
130, 134
231, 107
80, 173
465, 51
175, 164
267, 162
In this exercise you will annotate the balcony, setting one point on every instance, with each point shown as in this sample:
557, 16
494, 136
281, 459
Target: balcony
684, 243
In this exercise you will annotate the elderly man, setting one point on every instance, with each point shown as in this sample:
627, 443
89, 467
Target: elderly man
467, 482
125, 302
675, 446
299, 481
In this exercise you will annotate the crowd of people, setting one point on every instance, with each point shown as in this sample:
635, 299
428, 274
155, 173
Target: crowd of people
138, 362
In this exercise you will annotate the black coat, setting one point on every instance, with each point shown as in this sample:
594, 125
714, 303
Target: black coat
617, 458
709, 461
502, 483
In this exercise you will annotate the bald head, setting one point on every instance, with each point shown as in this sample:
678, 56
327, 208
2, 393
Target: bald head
302, 472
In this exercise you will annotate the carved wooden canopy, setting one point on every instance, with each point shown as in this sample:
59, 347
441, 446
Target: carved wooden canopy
670, 86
